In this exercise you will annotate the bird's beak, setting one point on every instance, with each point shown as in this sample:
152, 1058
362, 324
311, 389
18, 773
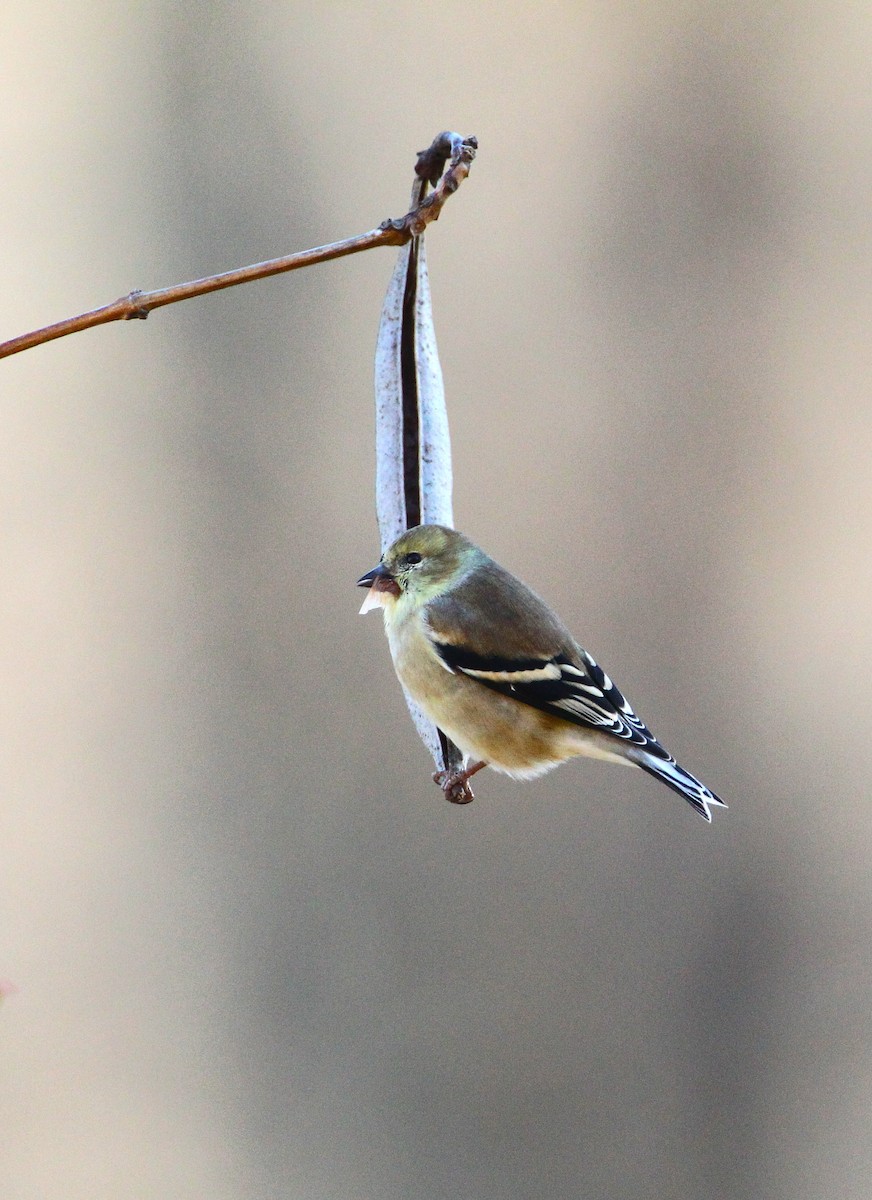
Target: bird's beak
381, 584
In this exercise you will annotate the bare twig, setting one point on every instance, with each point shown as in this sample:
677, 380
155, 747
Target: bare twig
137, 305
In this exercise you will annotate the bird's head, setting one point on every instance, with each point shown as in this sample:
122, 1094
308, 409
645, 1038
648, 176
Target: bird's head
420, 564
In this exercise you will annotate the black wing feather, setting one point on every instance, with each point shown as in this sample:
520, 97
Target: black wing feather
574, 689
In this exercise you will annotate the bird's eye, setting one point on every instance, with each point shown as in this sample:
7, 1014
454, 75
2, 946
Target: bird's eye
413, 559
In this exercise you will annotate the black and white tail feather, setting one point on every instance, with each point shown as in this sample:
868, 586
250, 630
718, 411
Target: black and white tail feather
579, 691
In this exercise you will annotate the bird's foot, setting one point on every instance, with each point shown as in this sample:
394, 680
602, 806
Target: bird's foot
455, 784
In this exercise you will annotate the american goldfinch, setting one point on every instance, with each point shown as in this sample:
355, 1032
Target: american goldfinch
498, 671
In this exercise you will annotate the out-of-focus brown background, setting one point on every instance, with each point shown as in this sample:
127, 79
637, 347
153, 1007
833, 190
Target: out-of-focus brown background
256, 954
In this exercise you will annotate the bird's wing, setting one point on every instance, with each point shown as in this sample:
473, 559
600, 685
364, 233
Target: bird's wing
572, 687
521, 649
508, 640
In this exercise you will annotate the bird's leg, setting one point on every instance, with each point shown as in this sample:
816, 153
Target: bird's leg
455, 784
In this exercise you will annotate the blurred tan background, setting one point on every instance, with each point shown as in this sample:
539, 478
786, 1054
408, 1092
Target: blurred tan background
256, 954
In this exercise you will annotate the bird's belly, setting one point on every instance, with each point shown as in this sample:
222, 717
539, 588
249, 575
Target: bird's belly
508, 735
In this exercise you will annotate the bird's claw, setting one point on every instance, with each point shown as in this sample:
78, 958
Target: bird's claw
455, 786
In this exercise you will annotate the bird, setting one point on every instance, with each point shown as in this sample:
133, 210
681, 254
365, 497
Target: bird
499, 673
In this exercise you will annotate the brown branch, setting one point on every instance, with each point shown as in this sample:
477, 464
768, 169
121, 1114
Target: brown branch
137, 305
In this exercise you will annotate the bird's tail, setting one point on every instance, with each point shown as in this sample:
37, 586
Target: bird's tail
669, 772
